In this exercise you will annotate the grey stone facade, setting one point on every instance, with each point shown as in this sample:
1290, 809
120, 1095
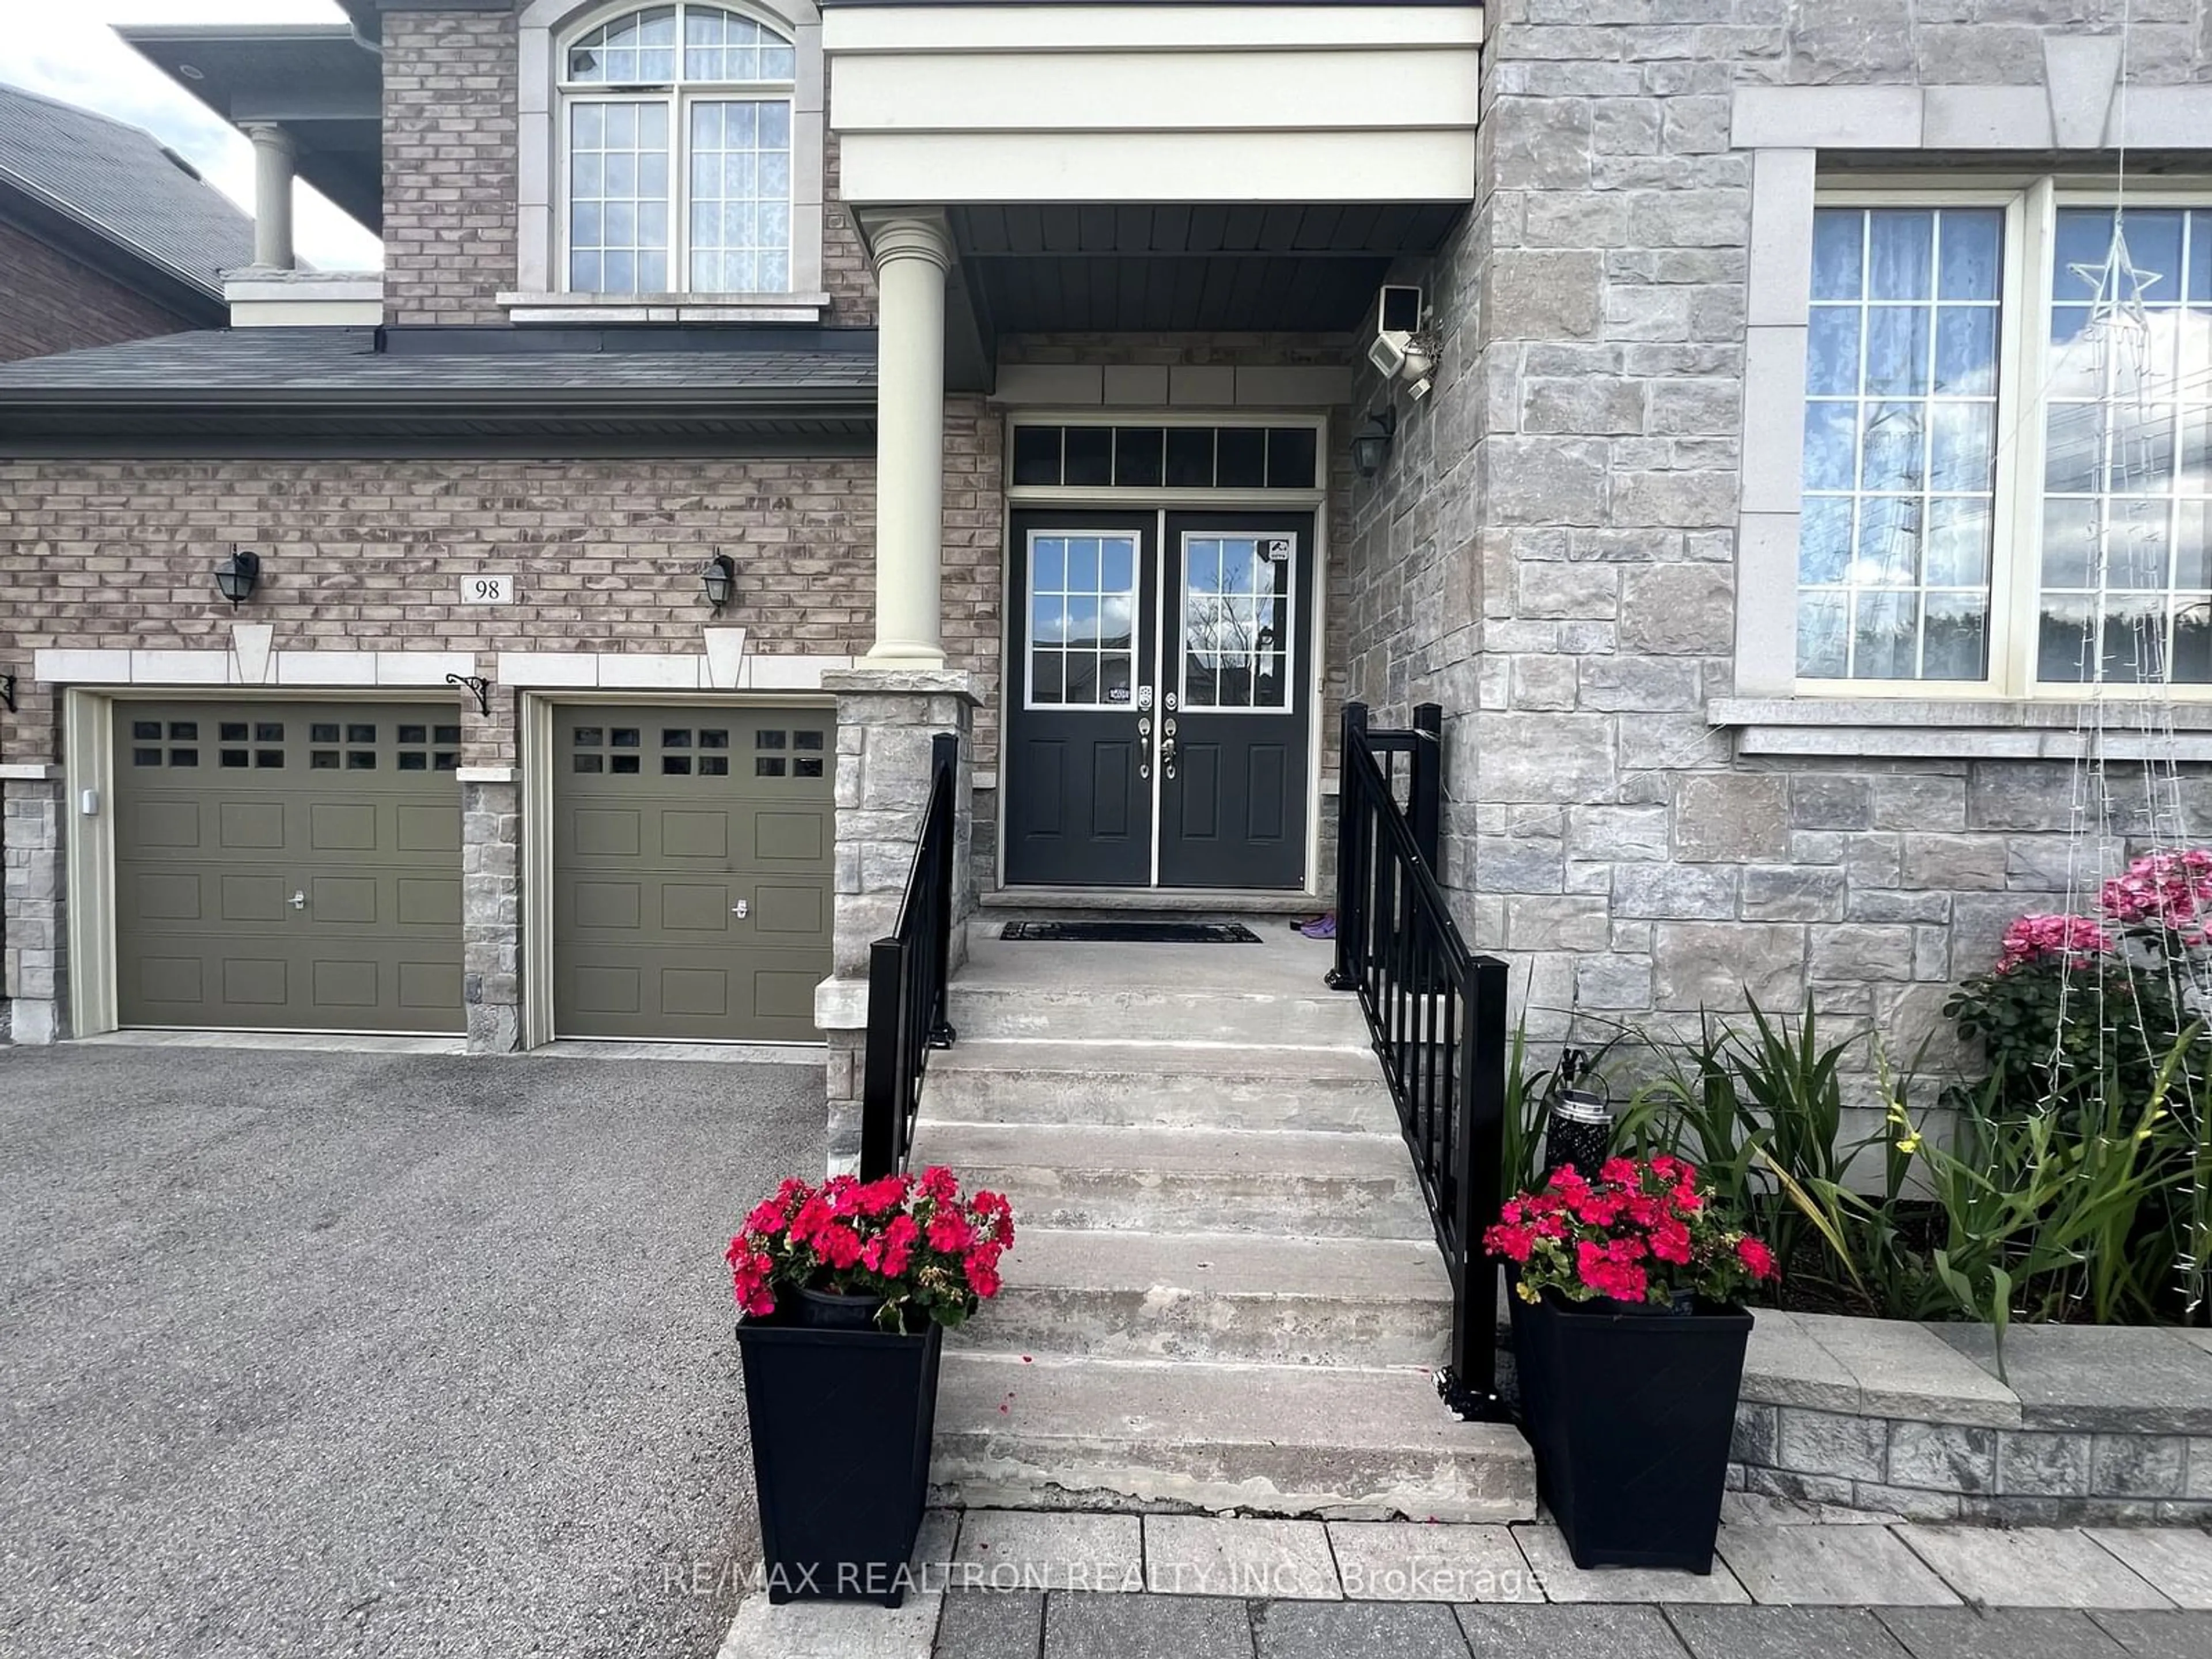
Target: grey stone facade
1551, 552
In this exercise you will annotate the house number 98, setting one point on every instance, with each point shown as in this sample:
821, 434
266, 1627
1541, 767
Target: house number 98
488, 590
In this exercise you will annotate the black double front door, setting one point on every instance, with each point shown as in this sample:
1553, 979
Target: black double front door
1160, 699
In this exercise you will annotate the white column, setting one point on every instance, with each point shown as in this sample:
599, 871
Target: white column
272, 195
912, 256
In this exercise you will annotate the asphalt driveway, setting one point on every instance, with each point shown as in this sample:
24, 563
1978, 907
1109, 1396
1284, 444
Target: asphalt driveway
343, 1354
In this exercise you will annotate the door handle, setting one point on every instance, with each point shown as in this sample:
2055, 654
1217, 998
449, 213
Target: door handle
299, 899
1145, 744
1168, 754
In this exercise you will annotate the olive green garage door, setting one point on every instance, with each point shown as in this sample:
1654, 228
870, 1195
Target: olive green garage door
691, 871
289, 866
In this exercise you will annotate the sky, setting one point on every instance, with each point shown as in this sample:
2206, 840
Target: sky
67, 49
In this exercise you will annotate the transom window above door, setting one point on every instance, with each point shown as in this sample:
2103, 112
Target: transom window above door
677, 156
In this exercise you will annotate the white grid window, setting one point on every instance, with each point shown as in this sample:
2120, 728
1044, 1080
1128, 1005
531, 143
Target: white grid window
2126, 578
1236, 622
678, 153
740, 196
1900, 444
2006, 483
1083, 612
618, 196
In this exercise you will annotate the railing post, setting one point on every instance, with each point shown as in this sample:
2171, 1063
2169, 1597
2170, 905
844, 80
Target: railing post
943, 769
1424, 809
1342, 975
883, 1088
1469, 1384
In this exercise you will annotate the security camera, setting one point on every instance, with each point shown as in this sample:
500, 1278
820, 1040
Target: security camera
1387, 353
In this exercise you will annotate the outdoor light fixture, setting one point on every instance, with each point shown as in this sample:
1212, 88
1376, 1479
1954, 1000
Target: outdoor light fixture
236, 577
719, 576
1373, 443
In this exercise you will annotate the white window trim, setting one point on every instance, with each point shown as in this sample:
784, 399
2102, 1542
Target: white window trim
540, 294
1785, 191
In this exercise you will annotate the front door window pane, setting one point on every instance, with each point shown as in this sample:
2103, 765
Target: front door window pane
2125, 595
1083, 613
1236, 622
1900, 444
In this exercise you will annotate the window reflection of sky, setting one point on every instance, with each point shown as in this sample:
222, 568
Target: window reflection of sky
1083, 606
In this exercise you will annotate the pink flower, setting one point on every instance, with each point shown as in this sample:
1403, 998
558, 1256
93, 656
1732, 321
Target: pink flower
2075, 939
2168, 890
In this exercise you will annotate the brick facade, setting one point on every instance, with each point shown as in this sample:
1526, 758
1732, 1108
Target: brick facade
368, 555
1551, 551
50, 302
449, 165
451, 173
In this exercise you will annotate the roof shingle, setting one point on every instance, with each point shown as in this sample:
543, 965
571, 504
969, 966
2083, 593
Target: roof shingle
123, 183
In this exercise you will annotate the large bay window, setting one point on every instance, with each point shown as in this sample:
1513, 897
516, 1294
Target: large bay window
2007, 456
676, 155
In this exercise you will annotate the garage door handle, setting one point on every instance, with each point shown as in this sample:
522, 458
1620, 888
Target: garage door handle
299, 901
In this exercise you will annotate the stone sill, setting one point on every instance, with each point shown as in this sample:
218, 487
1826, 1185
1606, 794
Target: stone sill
664, 307
28, 772
1964, 728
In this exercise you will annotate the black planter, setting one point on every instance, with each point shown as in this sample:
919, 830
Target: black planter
841, 1421
837, 1311
1630, 1411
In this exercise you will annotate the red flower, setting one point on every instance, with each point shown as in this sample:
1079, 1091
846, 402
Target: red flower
937, 1184
982, 1267
1755, 1256
1670, 1241
949, 1231
839, 1246
1620, 1171
888, 1194
767, 1217
1513, 1242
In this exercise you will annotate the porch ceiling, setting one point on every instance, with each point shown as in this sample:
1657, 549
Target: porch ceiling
1306, 268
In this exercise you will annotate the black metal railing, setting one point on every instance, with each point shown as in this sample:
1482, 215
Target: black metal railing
906, 977
1437, 1014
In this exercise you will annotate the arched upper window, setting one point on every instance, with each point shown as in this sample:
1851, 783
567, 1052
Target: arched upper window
676, 155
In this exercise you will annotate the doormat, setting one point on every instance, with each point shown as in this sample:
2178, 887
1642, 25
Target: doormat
1135, 932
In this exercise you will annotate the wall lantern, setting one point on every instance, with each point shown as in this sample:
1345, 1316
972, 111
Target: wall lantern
1370, 448
719, 576
236, 577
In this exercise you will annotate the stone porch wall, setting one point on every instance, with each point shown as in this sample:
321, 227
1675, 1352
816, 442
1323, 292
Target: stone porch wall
1551, 551
451, 173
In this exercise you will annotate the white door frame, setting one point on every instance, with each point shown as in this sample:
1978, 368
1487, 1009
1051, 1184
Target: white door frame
1104, 499
537, 774
88, 841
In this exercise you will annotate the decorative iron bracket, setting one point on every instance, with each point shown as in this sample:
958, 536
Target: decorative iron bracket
7, 692
478, 684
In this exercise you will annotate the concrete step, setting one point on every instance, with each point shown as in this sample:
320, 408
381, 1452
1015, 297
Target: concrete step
1285, 1183
1110, 1013
1163, 1086
1177, 1435
1364, 1302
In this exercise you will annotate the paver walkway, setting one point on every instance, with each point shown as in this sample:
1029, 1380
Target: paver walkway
1014, 1584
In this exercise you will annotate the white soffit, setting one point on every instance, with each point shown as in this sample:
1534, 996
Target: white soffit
1160, 103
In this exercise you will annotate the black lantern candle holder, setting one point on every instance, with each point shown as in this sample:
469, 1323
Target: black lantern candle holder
1578, 1130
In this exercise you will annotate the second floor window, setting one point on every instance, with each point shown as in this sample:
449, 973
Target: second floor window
676, 125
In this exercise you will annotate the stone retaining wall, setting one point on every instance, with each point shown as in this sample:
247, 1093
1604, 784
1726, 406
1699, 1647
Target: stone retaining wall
2089, 1425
